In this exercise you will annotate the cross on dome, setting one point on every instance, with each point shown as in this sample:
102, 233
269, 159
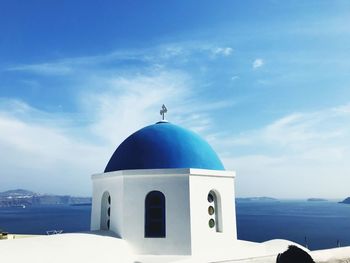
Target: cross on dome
163, 111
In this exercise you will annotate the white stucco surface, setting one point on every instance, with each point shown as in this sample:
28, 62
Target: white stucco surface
98, 247
186, 192
188, 236
114, 186
204, 238
103, 246
334, 255
177, 240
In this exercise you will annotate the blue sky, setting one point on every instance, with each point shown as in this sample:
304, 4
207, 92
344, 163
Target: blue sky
265, 82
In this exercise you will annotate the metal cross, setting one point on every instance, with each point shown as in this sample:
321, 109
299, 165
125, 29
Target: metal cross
163, 111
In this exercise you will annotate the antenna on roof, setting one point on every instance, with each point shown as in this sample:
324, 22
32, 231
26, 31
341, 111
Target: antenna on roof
163, 111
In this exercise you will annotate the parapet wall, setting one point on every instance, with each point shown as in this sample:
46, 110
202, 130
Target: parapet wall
333, 255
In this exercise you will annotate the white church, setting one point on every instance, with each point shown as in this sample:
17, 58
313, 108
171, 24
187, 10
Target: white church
165, 192
164, 196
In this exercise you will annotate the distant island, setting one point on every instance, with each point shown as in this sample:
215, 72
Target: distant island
345, 201
23, 198
316, 200
260, 198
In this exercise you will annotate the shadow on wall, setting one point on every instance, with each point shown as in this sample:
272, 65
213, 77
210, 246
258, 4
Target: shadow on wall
294, 255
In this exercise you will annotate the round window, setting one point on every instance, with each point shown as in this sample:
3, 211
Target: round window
210, 198
211, 223
211, 210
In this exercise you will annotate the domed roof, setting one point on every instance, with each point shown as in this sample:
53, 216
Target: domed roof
164, 145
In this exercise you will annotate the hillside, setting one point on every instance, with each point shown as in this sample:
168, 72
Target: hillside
345, 201
21, 197
254, 199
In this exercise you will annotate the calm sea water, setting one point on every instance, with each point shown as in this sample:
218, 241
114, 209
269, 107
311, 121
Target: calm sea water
39, 219
322, 223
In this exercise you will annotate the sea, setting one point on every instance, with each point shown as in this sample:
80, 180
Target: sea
317, 225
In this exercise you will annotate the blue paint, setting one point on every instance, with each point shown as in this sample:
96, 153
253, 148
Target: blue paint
164, 145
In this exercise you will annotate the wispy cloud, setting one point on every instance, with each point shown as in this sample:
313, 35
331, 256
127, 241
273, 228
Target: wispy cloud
297, 129
67, 148
308, 150
223, 51
257, 63
59, 68
42, 156
158, 56
71, 65
117, 93
40, 146
128, 103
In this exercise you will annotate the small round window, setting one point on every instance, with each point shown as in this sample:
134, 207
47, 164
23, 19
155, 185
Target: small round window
210, 198
214, 211
211, 210
211, 223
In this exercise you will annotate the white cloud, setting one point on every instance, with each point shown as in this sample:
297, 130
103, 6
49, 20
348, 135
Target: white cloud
299, 155
57, 153
40, 147
75, 65
45, 158
223, 51
113, 103
127, 104
59, 68
170, 51
257, 63
157, 57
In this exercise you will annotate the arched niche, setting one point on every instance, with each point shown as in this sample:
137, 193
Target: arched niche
214, 210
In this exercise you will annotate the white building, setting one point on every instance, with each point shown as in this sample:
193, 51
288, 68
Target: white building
163, 197
165, 192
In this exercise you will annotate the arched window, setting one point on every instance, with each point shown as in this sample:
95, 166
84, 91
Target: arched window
155, 214
105, 211
214, 211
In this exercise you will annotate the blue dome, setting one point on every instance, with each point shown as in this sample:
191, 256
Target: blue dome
164, 145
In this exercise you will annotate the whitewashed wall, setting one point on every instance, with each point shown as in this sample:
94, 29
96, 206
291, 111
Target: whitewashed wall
185, 190
114, 185
203, 237
175, 189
